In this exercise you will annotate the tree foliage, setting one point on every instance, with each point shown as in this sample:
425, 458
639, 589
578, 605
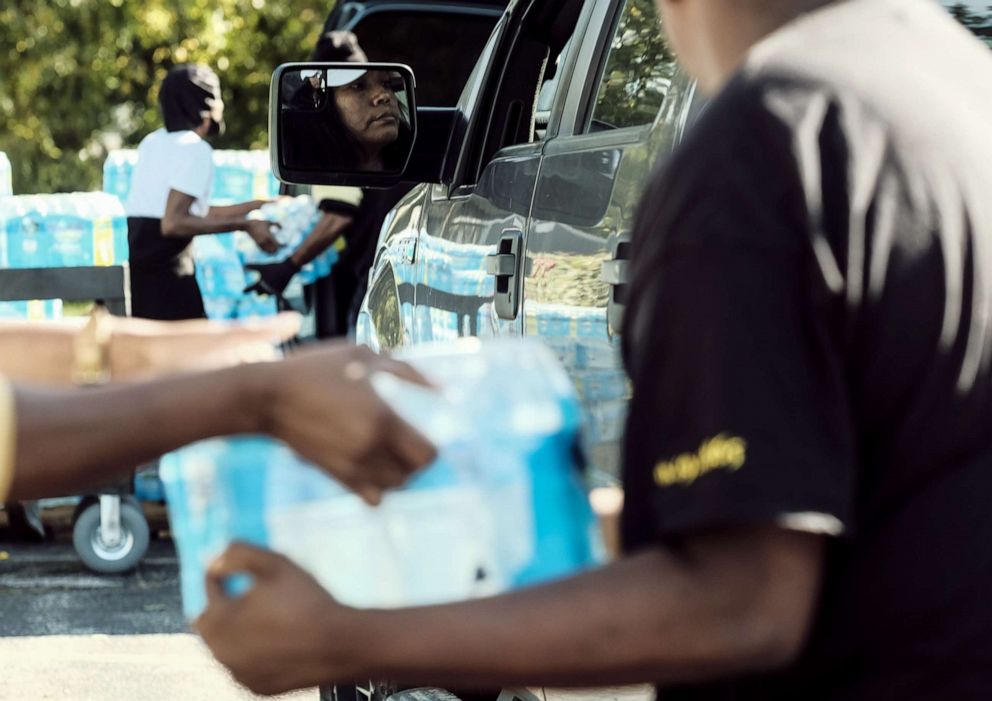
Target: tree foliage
80, 77
638, 69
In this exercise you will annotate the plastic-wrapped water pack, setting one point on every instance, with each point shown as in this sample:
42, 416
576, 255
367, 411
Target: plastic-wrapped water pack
62, 230
296, 217
241, 176
502, 507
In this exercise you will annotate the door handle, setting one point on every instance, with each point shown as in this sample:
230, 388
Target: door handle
504, 265
615, 273
501, 264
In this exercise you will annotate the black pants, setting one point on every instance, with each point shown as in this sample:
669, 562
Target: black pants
163, 283
166, 296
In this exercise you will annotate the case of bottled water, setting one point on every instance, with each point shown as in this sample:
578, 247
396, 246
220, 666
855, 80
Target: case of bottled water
62, 230
241, 176
31, 310
117, 171
296, 217
218, 268
503, 506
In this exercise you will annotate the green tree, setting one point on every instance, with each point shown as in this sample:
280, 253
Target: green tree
638, 70
80, 77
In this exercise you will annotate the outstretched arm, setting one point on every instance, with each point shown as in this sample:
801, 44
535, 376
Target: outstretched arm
319, 402
179, 222
723, 603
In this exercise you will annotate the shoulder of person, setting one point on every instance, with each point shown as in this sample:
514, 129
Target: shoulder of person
190, 142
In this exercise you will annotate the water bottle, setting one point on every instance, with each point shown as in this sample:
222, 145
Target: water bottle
504, 505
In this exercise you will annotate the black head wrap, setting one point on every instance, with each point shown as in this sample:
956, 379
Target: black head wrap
338, 46
188, 94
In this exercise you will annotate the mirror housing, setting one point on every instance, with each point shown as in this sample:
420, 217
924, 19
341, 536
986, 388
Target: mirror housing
342, 123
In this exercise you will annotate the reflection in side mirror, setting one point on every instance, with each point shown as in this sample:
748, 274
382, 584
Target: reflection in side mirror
329, 118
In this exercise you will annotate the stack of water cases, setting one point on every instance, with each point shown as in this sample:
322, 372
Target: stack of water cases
66, 230
503, 506
239, 176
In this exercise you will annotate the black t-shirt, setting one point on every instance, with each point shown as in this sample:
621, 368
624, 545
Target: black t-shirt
809, 337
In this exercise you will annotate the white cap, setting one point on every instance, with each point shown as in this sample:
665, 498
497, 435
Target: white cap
339, 77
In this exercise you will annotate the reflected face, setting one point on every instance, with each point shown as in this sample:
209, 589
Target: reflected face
369, 108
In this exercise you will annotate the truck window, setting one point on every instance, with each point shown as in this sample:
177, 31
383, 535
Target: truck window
637, 73
442, 56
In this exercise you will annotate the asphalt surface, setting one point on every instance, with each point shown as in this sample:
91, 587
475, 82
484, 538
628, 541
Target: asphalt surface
66, 633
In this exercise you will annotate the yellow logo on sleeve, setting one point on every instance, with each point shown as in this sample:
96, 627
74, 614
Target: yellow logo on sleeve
721, 452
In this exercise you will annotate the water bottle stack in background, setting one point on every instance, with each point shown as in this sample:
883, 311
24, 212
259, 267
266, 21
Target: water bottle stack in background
31, 310
503, 506
6, 181
62, 230
240, 176
117, 171
219, 274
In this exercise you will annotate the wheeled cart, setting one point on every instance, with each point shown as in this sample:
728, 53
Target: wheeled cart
109, 529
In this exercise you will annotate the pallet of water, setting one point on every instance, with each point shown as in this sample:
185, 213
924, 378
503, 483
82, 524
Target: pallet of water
62, 230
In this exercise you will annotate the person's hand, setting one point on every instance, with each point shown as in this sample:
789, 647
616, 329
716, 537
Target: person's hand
321, 402
141, 347
261, 232
284, 633
272, 277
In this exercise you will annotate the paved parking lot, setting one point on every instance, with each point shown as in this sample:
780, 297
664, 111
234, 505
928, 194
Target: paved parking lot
68, 634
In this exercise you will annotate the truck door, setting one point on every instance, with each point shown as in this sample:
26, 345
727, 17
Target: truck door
470, 251
601, 146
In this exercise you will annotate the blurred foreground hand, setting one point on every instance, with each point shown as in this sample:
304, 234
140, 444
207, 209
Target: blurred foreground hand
321, 402
282, 634
44, 351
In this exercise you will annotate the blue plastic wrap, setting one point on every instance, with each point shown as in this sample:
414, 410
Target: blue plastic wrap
504, 505
62, 230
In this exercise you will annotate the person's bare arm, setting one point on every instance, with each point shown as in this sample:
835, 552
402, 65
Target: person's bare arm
239, 210
724, 603
328, 230
179, 222
319, 402
44, 351
67, 440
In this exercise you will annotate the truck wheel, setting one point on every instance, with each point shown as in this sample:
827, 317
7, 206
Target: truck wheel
100, 557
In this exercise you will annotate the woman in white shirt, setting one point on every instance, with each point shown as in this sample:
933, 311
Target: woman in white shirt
168, 205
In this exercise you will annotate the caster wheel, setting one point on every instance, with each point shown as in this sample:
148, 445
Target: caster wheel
105, 558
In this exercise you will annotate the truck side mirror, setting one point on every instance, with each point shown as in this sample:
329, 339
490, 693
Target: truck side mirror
342, 123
